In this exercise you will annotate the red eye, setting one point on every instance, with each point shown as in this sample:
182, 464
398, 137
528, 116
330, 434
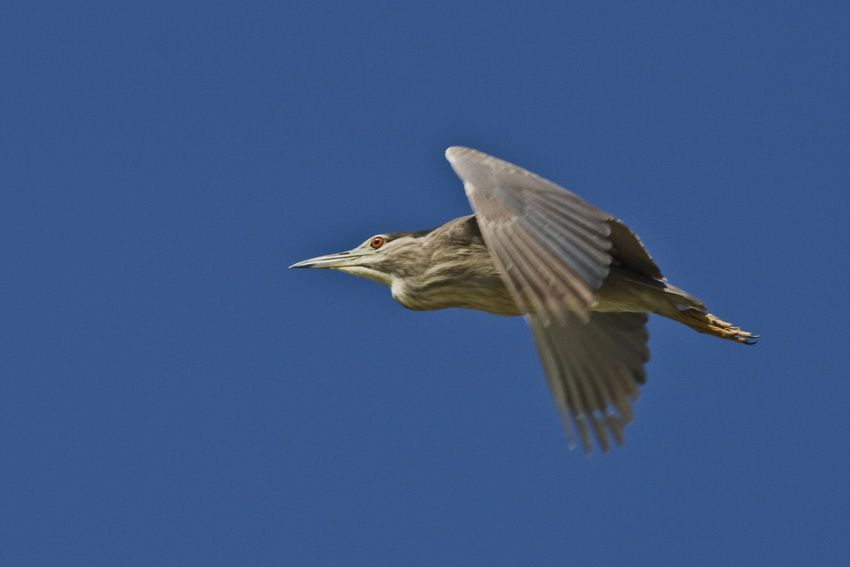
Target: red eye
377, 242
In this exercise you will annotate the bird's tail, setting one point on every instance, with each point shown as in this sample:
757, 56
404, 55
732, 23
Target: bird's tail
692, 312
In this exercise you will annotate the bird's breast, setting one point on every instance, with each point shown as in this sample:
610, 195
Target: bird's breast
482, 294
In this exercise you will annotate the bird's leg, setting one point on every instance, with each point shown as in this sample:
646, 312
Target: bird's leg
713, 325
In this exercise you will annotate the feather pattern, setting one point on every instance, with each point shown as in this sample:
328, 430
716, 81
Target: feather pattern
554, 251
593, 371
551, 246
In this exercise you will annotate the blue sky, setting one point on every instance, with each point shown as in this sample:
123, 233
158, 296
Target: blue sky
171, 394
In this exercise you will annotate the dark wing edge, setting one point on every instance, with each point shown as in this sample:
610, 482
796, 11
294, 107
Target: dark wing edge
593, 372
551, 247
629, 252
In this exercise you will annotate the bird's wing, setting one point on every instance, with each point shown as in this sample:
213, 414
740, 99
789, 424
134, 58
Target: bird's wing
594, 371
630, 252
551, 247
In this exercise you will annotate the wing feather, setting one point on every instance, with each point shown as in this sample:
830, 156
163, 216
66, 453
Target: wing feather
553, 251
630, 251
594, 371
551, 247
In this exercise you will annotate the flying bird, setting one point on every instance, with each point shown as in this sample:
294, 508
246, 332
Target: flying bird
581, 278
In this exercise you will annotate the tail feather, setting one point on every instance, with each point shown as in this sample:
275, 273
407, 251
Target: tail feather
685, 308
660, 296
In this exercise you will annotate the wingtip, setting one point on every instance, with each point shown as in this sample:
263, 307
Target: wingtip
453, 153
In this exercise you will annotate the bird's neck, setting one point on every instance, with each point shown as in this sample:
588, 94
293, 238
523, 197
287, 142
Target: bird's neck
467, 279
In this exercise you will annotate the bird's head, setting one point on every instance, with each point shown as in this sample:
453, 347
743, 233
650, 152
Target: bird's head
379, 258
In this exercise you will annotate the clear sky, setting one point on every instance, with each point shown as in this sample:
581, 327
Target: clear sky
171, 394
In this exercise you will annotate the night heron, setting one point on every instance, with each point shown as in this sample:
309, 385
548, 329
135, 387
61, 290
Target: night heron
581, 278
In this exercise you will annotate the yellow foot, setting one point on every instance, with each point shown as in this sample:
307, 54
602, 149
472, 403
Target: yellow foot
727, 330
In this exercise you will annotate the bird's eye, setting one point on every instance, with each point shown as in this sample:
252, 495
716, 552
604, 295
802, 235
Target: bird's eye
377, 242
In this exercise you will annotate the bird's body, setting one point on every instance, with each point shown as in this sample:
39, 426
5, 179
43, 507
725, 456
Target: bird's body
426, 278
583, 280
467, 279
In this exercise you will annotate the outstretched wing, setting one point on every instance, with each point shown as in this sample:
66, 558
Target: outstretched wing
630, 253
554, 250
594, 371
551, 247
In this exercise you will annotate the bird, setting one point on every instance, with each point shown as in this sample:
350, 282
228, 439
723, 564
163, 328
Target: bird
582, 279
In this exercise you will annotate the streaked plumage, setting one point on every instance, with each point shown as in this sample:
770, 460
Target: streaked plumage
582, 279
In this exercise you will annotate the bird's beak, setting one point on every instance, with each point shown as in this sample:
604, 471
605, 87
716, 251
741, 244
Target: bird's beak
338, 260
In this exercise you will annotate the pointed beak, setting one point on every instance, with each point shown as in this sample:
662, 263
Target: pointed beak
338, 260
